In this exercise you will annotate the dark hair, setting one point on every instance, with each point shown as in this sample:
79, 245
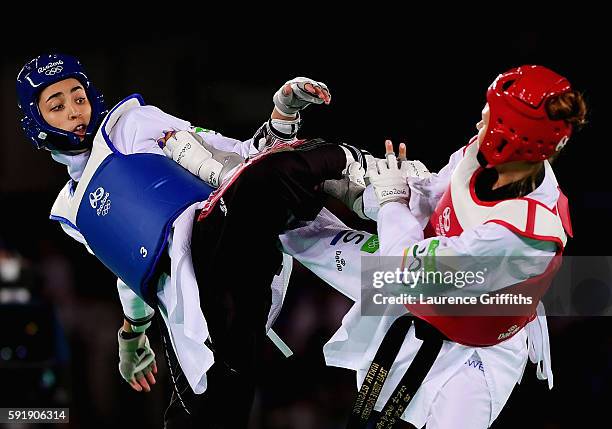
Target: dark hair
569, 107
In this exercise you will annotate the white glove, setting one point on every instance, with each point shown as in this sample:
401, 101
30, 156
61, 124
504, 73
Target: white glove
390, 180
416, 170
298, 98
136, 358
191, 152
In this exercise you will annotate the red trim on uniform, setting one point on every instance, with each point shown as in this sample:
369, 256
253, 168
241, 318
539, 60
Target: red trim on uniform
214, 197
472, 140
550, 209
451, 332
514, 229
564, 213
472, 187
531, 214
476, 200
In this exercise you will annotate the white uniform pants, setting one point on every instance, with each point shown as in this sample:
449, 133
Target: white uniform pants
463, 402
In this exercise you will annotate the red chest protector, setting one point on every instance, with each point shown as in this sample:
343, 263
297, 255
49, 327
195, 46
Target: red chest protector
458, 210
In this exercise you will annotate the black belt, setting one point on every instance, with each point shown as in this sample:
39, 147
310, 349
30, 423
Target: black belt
180, 385
379, 370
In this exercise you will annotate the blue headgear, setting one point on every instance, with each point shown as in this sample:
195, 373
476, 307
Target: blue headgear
38, 74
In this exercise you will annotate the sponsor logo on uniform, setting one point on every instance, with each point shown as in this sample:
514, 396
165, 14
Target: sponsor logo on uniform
212, 178
99, 200
511, 331
476, 364
182, 153
371, 245
394, 192
222, 206
340, 263
347, 236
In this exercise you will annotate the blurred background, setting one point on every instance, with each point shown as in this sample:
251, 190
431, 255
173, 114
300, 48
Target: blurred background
59, 310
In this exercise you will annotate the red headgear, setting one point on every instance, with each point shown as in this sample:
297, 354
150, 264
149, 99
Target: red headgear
519, 128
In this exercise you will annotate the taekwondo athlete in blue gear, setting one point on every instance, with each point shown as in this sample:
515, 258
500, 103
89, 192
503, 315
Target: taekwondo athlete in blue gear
126, 144
126, 227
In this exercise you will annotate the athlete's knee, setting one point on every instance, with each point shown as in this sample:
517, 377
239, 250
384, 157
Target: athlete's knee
274, 167
281, 162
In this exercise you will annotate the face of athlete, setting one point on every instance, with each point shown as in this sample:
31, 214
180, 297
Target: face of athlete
64, 105
484, 122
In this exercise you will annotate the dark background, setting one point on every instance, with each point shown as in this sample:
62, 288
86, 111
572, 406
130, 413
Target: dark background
425, 87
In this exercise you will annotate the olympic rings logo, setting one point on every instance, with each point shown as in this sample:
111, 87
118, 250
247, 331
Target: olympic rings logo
105, 208
54, 70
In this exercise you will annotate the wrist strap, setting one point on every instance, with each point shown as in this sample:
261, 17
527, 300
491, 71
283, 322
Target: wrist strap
139, 325
129, 335
284, 129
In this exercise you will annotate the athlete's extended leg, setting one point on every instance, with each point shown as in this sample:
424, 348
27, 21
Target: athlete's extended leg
235, 254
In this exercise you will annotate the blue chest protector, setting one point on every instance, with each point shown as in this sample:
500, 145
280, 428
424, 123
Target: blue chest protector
139, 196
127, 209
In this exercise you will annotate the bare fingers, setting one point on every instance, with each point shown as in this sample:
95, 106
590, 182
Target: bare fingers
143, 382
162, 141
150, 377
389, 147
402, 152
321, 93
137, 387
287, 89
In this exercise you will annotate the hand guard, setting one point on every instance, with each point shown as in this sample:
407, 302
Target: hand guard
349, 189
298, 99
192, 152
136, 358
390, 180
416, 170
276, 130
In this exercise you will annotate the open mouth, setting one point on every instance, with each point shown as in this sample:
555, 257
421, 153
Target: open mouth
80, 129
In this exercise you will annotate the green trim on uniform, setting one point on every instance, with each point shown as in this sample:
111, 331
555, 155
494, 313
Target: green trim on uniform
371, 245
